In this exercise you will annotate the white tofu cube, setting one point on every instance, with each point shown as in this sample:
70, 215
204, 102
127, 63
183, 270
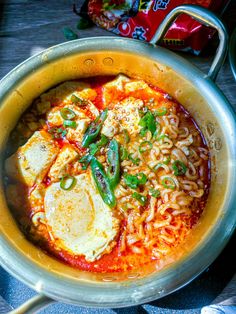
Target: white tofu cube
31, 161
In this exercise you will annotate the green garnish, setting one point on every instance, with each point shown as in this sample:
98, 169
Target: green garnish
67, 114
166, 161
142, 178
70, 124
139, 197
135, 161
84, 23
160, 112
168, 183
69, 33
148, 122
154, 193
143, 132
113, 159
123, 153
94, 129
179, 168
78, 101
162, 137
145, 146
103, 183
133, 181
67, 182
158, 166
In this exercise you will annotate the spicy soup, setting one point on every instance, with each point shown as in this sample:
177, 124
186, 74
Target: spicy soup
107, 174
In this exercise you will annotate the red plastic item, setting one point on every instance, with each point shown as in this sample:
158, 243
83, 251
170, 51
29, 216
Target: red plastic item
140, 19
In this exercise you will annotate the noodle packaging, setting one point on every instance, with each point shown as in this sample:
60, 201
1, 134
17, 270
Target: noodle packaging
200, 96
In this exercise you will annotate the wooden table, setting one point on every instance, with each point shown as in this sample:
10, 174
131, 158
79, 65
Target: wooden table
27, 27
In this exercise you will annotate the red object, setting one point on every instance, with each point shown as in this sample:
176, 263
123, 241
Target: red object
139, 19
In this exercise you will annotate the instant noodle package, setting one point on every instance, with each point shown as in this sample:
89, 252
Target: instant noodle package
139, 19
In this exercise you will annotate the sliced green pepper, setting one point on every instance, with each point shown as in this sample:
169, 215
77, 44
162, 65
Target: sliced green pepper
126, 136
103, 183
94, 129
135, 161
85, 160
113, 158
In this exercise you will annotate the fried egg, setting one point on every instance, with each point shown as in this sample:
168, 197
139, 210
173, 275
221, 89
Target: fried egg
80, 221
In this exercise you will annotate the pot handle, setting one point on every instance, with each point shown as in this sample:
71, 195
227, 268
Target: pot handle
33, 305
205, 17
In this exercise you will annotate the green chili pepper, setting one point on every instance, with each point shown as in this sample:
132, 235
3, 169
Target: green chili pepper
145, 146
148, 122
139, 197
123, 153
69, 123
154, 193
103, 141
166, 161
67, 114
135, 161
69, 33
179, 168
67, 182
168, 183
78, 101
113, 158
94, 129
103, 183
160, 112
85, 160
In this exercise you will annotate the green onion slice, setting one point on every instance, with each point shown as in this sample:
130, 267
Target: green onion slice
78, 101
123, 153
160, 111
135, 161
158, 166
145, 146
142, 178
139, 197
67, 114
162, 137
168, 183
131, 181
67, 182
154, 193
166, 161
69, 123
143, 132
179, 168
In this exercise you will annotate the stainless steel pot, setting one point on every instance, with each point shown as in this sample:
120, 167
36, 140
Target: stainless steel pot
192, 88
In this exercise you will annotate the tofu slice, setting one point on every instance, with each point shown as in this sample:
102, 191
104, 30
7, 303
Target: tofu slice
64, 91
113, 88
124, 115
32, 161
80, 221
64, 158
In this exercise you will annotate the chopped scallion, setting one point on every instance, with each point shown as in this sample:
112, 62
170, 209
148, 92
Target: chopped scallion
67, 182
168, 183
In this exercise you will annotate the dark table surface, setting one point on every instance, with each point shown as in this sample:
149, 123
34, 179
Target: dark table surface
27, 27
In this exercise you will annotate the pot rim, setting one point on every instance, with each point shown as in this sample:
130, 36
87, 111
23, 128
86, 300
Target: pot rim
154, 286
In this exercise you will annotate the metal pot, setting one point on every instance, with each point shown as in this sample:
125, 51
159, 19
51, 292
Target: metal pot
192, 88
